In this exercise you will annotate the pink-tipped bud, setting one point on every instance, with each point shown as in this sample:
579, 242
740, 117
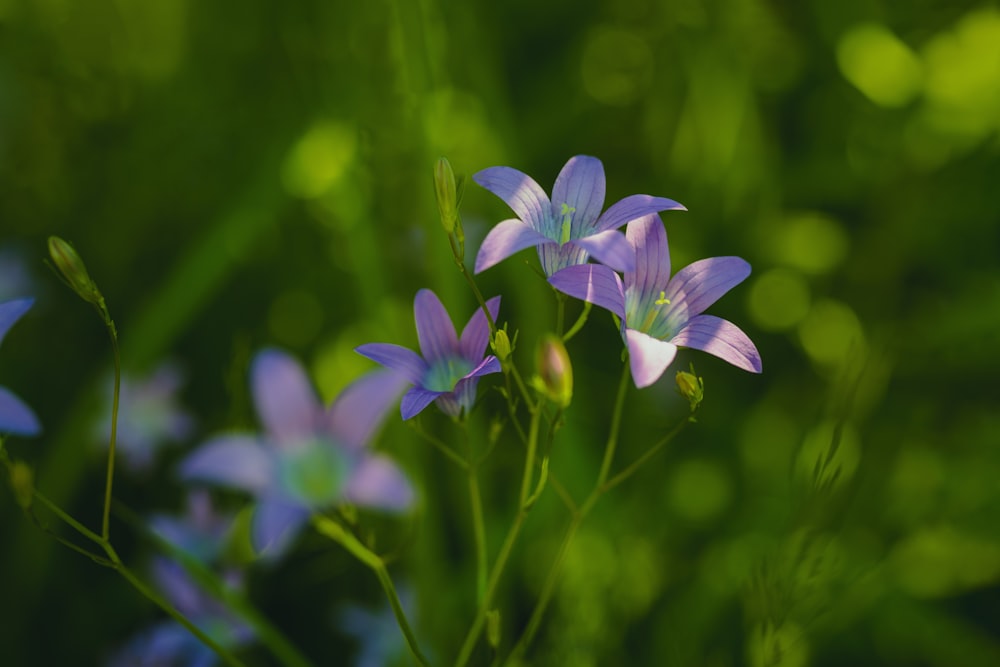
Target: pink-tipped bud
555, 372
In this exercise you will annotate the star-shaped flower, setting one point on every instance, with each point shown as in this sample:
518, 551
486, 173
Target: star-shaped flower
450, 368
15, 416
308, 458
660, 313
569, 228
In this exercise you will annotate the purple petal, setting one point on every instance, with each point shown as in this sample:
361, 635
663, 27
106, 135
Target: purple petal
238, 461
476, 334
504, 240
178, 587
524, 196
702, 283
16, 417
634, 207
415, 400
275, 524
362, 406
406, 361
648, 357
594, 283
435, 331
378, 482
611, 248
11, 312
285, 400
723, 339
652, 258
580, 185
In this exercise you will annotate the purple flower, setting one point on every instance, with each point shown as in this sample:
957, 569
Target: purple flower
170, 644
15, 416
660, 313
201, 532
308, 458
149, 416
450, 368
377, 632
568, 229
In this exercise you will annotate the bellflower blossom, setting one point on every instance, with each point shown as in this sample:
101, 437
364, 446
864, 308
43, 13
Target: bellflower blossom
308, 458
15, 416
660, 313
569, 228
450, 368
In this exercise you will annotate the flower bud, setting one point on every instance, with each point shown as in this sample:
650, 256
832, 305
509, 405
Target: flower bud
22, 482
73, 271
691, 387
555, 372
446, 193
501, 345
493, 627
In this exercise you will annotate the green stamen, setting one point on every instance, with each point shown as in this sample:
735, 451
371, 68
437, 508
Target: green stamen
647, 324
567, 214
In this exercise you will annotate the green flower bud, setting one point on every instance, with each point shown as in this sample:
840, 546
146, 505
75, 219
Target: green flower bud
446, 193
501, 345
555, 372
73, 271
22, 481
691, 387
493, 627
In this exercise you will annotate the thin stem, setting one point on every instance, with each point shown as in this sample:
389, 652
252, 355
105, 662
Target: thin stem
560, 312
529, 459
113, 333
336, 532
580, 321
479, 531
648, 454
616, 419
440, 446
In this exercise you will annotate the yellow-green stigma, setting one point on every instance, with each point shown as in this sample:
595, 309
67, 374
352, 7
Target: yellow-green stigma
647, 324
567, 219
663, 300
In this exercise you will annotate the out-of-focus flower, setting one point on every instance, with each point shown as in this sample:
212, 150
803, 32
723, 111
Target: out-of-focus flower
201, 532
660, 313
15, 416
451, 366
149, 416
16, 277
380, 642
569, 228
307, 459
168, 643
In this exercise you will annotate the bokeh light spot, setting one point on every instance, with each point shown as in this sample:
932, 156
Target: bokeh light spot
616, 66
319, 159
699, 490
831, 333
778, 299
880, 65
811, 242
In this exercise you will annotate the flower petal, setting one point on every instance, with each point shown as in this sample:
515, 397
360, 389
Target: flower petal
723, 339
435, 331
401, 359
609, 247
11, 312
16, 417
238, 461
275, 524
524, 196
362, 406
594, 283
504, 240
700, 284
580, 185
415, 400
652, 260
632, 207
648, 357
476, 334
378, 482
285, 400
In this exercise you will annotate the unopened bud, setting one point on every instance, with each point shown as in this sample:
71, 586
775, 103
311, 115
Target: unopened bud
555, 372
446, 193
73, 270
501, 345
691, 387
493, 627
22, 482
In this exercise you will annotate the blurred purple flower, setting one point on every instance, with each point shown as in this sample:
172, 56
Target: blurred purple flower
308, 458
15, 416
660, 313
149, 416
201, 532
380, 642
450, 368
569, 228
15, 274
168, 643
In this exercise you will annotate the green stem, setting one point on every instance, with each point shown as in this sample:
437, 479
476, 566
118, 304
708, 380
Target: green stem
580, 321
440, 446
479, 531
113, 333
560, 312
336, 532
647, 455
529, 459
616, 419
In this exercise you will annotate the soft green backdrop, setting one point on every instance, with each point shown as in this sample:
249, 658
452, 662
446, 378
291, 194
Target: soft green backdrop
256, 173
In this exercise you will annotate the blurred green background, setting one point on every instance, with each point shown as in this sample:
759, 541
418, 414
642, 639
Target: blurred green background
259, 173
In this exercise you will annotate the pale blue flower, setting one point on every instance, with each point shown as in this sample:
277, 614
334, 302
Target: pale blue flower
15, 416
